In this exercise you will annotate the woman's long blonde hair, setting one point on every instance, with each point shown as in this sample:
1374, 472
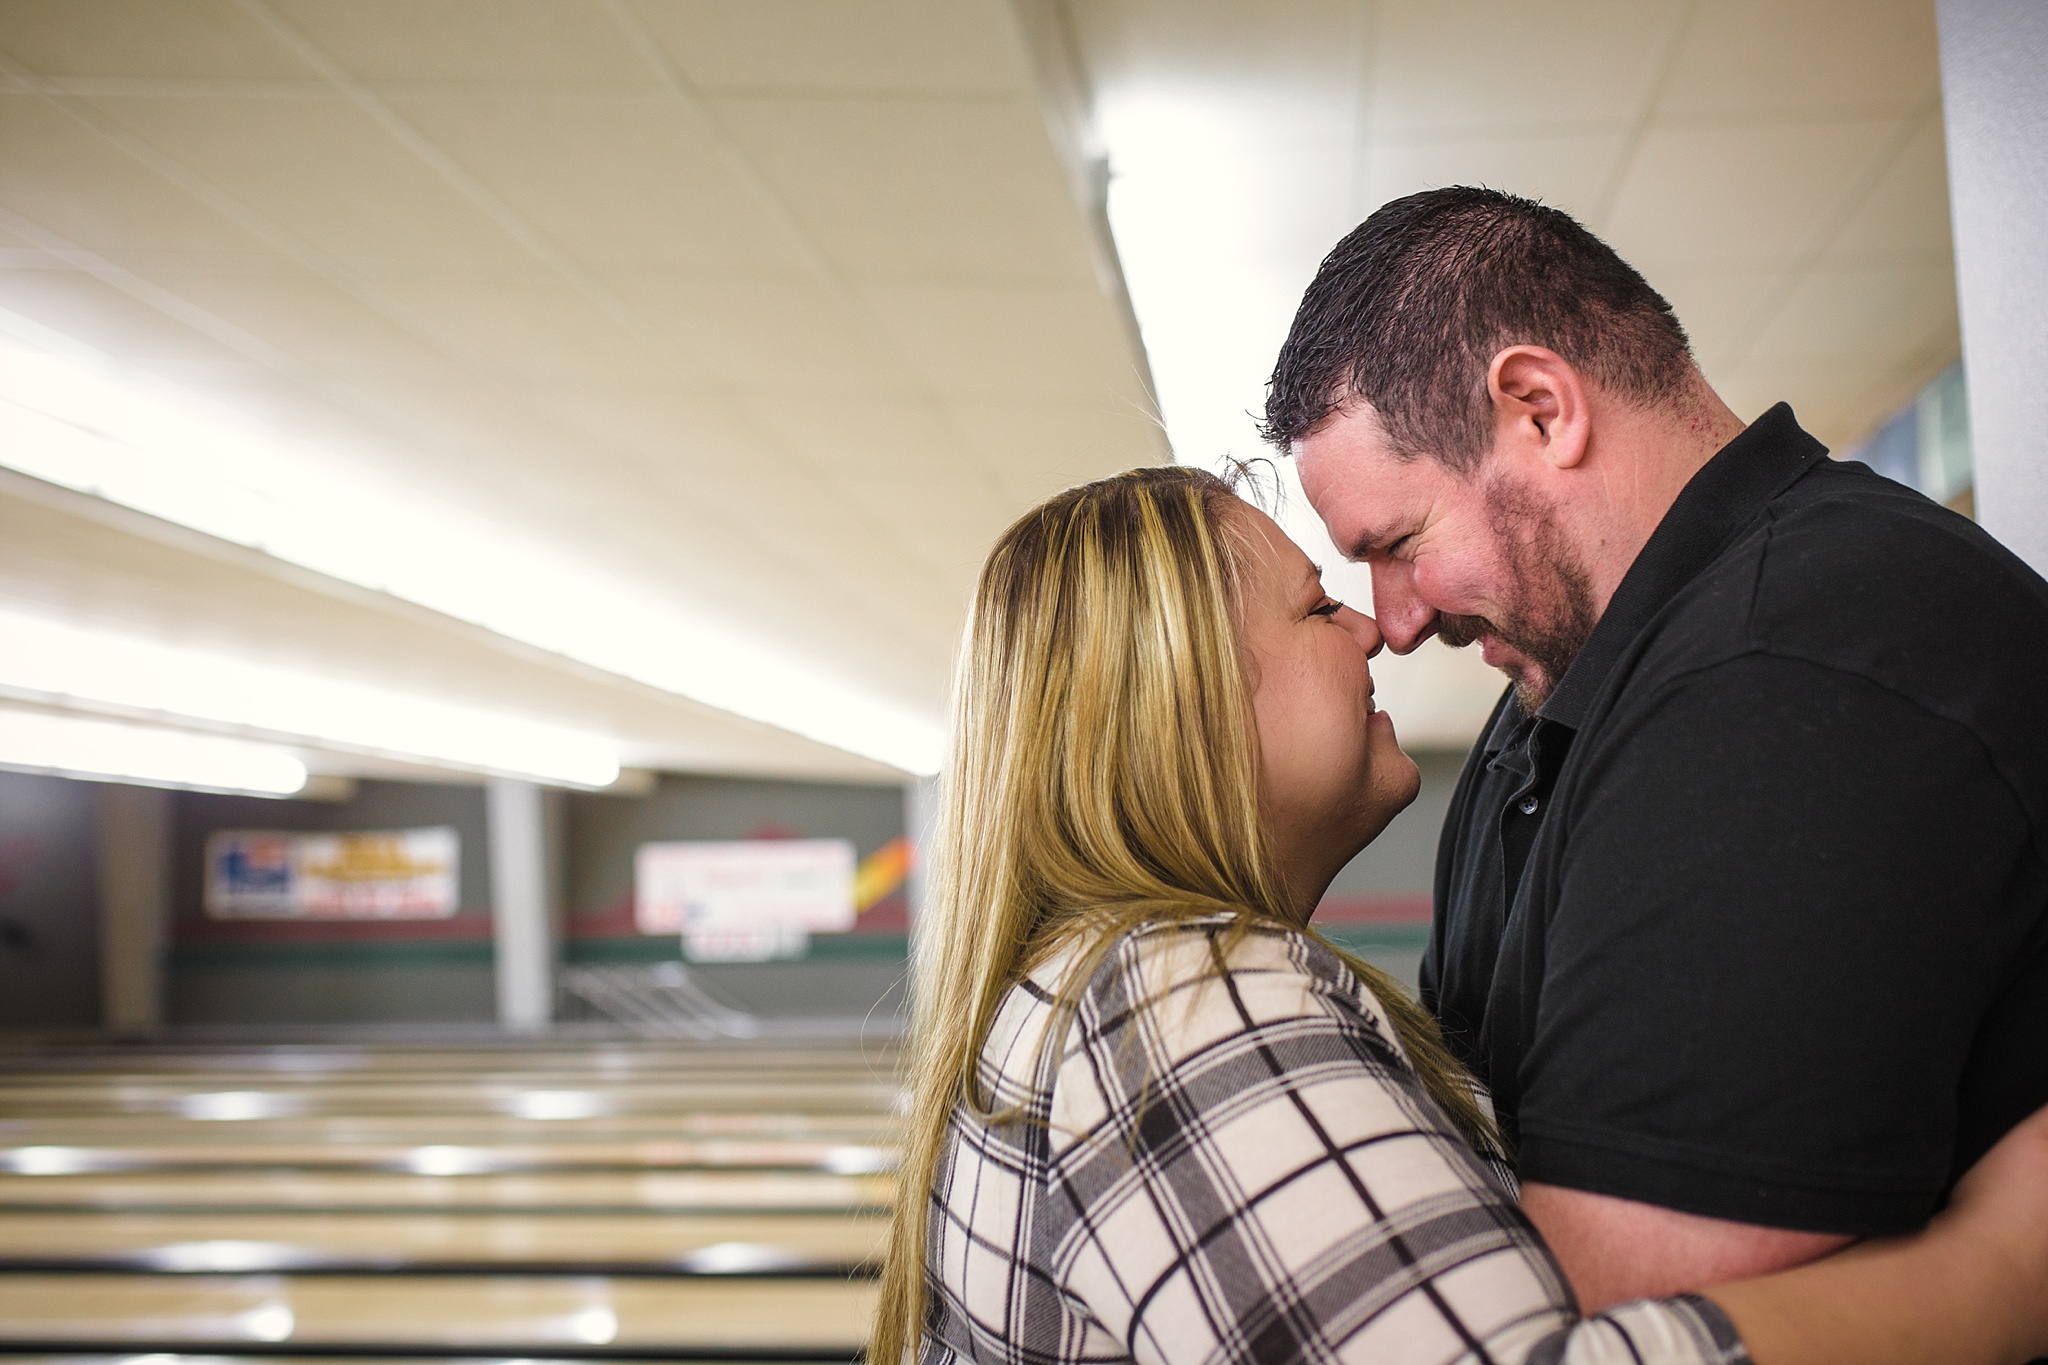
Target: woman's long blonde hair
1102, 773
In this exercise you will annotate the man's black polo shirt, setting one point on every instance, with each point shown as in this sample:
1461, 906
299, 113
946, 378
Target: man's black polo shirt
1748, 920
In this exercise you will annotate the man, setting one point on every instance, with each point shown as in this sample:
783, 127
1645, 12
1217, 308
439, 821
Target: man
1740, 901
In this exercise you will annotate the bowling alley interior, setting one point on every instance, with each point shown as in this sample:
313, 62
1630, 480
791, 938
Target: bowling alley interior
489, 496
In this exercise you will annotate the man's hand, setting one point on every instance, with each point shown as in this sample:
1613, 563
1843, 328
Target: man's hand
1615, 1250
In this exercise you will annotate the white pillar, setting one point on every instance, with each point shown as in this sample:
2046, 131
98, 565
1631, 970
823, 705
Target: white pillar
920, 816
522, 904
134, 839
1994, 95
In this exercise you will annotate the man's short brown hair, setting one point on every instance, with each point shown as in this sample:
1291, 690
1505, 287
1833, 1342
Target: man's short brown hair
1408, 311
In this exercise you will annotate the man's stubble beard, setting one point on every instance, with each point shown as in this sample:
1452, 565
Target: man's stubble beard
1550, 615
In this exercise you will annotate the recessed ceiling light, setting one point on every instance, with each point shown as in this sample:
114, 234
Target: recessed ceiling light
86, 423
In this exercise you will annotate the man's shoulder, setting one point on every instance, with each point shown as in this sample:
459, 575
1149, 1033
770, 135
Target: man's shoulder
1852, 572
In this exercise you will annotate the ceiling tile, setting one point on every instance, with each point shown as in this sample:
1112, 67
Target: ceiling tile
1736, 195
1498, 65
1011, 340
1034, 449
1751, 59
1906, 212
1850, 313
306, 317
65, 178
1566, 170
536, 330
919, 187
631, 182
537, 42
194, 39
879, 46
1719, 307
89, 310
321, 170
1194, 45
771, 333
901, 462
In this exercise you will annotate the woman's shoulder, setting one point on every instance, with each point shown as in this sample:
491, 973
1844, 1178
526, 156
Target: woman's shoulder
1202, 978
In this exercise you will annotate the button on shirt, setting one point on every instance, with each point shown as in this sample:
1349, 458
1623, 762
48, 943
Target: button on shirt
1748, 919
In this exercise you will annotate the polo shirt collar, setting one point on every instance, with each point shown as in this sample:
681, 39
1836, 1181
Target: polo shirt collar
1727, 494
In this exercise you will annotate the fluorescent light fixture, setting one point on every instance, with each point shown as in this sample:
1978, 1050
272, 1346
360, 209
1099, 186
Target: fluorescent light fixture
79, 666
80, 421
70, 746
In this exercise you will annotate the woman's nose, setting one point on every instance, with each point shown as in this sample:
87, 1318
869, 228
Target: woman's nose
1364, 629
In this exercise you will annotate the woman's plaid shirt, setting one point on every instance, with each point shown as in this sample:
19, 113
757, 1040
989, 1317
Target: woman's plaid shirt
1242, 1167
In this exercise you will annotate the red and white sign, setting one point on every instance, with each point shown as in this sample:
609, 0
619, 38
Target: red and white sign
744, 900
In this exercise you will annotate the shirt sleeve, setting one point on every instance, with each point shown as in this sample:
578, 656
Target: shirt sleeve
1779, 918
1254, 1174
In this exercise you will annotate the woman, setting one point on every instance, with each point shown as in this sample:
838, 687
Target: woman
1157, 1119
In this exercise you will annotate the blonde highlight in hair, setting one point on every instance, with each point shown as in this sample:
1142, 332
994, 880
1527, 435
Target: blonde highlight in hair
1102, 774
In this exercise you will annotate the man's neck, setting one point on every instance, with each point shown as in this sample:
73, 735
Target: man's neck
1643, 458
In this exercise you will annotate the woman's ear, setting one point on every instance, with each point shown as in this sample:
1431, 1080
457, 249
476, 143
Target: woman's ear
1539, 406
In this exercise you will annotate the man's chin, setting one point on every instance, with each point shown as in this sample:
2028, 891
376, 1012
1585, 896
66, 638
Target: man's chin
1533, 686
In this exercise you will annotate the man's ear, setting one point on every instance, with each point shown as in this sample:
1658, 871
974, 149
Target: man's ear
1539, 406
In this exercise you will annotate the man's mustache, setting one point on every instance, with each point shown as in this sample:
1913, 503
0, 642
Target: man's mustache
1459, 631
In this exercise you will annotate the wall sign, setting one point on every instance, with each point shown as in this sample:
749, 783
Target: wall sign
385, 874
747, 900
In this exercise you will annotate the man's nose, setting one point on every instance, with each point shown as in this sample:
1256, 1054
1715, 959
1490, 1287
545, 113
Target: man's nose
1405, 620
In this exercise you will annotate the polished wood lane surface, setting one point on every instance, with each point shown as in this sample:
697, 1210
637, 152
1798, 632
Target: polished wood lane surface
324, 1190
718, 1244
528, 1315
503, 1201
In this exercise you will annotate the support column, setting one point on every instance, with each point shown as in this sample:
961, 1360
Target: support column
134, 838
920, 819
523, 861
1995, 103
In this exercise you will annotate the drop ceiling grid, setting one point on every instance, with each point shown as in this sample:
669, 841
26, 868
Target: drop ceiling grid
1726, 148
395, 294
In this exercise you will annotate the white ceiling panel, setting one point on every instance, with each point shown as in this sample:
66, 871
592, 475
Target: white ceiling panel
525, 42
1906, 212
1742, 194
879, 47
325, 172
1569, 168
634, 183
996, 339
927, 209
307, 317
190, 39
534, 331
1757, 60
1499, 65
1850, 313
773, 333
1033, 449
57, 173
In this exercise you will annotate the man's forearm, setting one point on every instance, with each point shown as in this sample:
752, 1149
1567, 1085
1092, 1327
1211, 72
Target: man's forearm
1614, 1250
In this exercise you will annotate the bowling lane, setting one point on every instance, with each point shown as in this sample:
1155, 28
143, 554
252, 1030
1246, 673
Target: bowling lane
239, 1097
444, 1158
365, 1191
514, 1315
637, 1243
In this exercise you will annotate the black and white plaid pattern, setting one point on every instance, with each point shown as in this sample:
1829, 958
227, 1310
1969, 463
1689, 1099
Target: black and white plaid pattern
1242, 1167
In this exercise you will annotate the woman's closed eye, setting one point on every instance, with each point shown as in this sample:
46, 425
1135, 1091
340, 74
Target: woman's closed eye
1327, 607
